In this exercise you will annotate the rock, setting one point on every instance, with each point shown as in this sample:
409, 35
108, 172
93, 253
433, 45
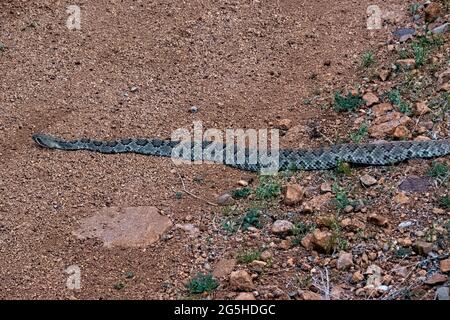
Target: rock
225, 200
224, 267
241, 281
444, 77
352, 224
401, 132
125, 226
285, 244
266, 255
322, 241
242, 183
405, 224
357, 277
368, 180
306, 241
188, 228
435, 279
308, 295
423, 248
326, 187
345, 261
378, 220
134, 89
441, 29
348, 209
445, 265
421, 108
374, 280
401, 198
282, 227
193, 109
319, 201
381, 109
403, 34
385, 125
438, 211
405, 242
244, 296
293, 194
384, 74
407, 63
445, 87
284, 124
421, 138
432, 12
443, 293
370, 99
257, 266
415, 184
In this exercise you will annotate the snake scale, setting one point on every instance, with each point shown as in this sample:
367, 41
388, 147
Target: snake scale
385, 153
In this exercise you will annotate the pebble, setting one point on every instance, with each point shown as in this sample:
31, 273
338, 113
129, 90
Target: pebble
444, 265
378, 220
282, 227
422, 247
266, 255
432, 11
443, 293
225, 200
401, 198
293, 194
370, 99
322, 241
193, 109
345, 261
421, 108
368, 180
326, 187
435, 279
357, 277
441, 29
242, 281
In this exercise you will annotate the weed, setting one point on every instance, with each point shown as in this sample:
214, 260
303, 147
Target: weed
405, 108
241, 193
439, 171
445, 202
338, 240
2, 47
202, 283
268, 188
402, 252
420, 54
394, 97
119, 286
251, 219
347, 103
357, 136
367, 60
343, 168
301, 230
178, 195
341, 198
248, 256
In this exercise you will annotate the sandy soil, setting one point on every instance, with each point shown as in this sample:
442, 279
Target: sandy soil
244, 64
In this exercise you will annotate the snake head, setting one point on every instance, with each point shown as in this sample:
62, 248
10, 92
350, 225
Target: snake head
45, 141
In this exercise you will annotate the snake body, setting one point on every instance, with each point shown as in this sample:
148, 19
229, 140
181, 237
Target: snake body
287, 159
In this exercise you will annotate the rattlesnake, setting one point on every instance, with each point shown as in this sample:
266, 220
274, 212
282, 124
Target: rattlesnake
385, 153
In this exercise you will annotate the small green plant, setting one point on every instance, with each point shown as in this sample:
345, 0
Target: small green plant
129, 275
202, 283
300, 230
341, 198
338, 240
347, 103
445, 202
394, 97
119, 286
414, 8
357, 136
251, 219
402, 252
367, 60
230, 225
2, 47
178, 195
343, 168
248, 256
405, 108
439, 171
420, 54
241, 193
269, 188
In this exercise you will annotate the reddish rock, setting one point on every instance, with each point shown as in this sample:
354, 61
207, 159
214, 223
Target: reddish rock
421, 108
401, 132
224, 267
381, 109
432, 11
436, 278
385, 125
282, 227
401, 198
370, 99
125, 227
378, 220
241, 281
345, 261
422, 247
245, 296
308, 295
293, 194
323, 241
445, 265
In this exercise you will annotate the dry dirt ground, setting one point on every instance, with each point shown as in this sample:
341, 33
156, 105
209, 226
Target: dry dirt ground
243, 64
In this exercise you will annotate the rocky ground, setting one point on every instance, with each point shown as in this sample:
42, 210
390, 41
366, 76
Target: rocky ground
141, 227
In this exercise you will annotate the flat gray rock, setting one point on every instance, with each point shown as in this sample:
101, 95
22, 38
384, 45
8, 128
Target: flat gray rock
125, 227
